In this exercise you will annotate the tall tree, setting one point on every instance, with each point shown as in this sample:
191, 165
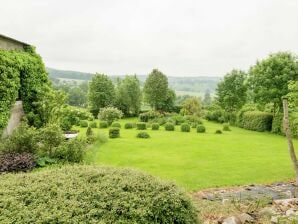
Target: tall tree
155, 89
192, 106
169, 103
231, 91
129, 95
101, 93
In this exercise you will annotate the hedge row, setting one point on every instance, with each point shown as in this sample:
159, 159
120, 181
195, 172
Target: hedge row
256, 121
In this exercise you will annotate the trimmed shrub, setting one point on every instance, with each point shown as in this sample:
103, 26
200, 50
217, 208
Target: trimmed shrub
116, 125
185, 127
128, 126
178, 119
141, 126
143, 134
84, 123
93, 124
226, 127
65, 124
169, 127
150, 115
110, 114
201, 129
72, 151
218, 131
103, 124
15, 162
114, 132
155, 126
93, 195
90, 136
257, 121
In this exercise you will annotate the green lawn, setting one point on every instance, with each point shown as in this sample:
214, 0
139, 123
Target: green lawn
197, 161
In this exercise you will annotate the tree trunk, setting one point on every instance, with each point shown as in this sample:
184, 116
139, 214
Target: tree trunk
290, 143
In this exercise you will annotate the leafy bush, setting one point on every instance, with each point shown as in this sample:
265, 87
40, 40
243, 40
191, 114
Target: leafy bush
192, 119
92, 195
218, 131
114, 132
201, 129
90, 136
185, 127
226, 127
155, 126
84, 123
103, 124
215, 113
128, 126
169, 127
178, 119
141, 126
116, 125
75, 114
110, 114
143, 134
72, 151
93, 124
277, 123
65, 124
15, 162
257, 121
150, 115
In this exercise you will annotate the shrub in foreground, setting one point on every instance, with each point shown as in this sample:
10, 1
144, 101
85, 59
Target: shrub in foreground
116, 125
84, 123
72, 151
128, 126
155, 126
114, 132
15, 162
103, 124
201, 129
185, 127
226, 127
92, 195
169, 127
141, 126
143, 134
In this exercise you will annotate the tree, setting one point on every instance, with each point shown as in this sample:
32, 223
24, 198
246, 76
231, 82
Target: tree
169, 103
269, 78
207, 98
101, 93
155, 89
231, 91
129, 95
192, 106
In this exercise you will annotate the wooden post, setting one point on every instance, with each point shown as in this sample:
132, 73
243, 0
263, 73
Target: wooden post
290, 143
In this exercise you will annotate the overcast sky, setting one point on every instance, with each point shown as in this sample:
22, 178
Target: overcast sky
181, 38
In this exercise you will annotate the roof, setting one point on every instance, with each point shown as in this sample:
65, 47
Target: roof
9, 38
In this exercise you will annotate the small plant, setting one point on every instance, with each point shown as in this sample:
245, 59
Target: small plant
89, 131
143, 134
116, 125
110, 114
218, 131
201, 129
114, 132
15, 162
103, 124
90, 136
141, 126
226, 127
169, 127
128, 126
93, 124
84, 123
185, 127
155, 126
72, 151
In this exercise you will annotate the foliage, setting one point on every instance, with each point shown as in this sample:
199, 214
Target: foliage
101, 93
277, 123
89, 131
207, 98
110, 114
192, 106
128, 95
93, 124
293, 107
84, 123
114, 132
215, 113
141, 126
169, 126
201, 129
245, 108
168, 104
65, 124
128, 125
116, 125
102, 137
226, 127
103, 124
185, 127
155, 126
143, 134
109, 195
15, 162
155, 89
257, 121
72, 151
149, 115
90, 138
177, 119
218, 131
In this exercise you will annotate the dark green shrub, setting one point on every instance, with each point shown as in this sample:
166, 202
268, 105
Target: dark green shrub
143, 134
169, 127
226, 127
93, 124
277, 123
72, 151
103, 124
128, 126
90, 138
155, 126
218, 131
84, 123
92, 195
150, 115
114, 132
185, 127
141, 126
65, 124
257, 121
15, 162
201, 129
116, 125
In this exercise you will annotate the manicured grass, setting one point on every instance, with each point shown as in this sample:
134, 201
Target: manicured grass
199, 160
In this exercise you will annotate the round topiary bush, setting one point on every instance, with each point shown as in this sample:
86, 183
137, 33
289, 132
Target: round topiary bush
103, 124
89, 194
143, 134
169, 127
155, 126
201, 129
84, 123
93, 124
218, 132
116, 125
226, 127
128, 126
185, 127
141, 126
114, 132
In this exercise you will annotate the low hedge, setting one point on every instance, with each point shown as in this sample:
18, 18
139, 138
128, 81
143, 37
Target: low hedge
141, 126
128, 126
84, 123
201, 129
155, 126
93, 124
103, 124
169, 127
89, 194
116, 125
143, 134
257, 121
114, 132
185, 127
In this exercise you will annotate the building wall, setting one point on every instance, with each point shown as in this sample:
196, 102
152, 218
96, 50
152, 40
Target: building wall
8, 44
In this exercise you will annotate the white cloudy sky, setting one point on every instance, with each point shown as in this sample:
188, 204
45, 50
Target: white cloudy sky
180, 37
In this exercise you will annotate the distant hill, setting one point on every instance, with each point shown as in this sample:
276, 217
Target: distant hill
182, 85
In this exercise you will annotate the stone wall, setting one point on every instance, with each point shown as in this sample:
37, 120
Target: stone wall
10, 44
